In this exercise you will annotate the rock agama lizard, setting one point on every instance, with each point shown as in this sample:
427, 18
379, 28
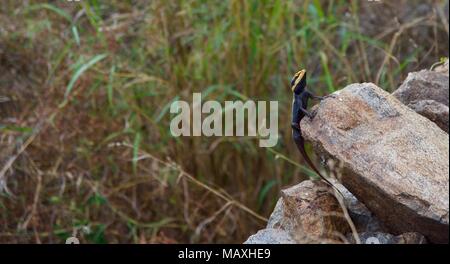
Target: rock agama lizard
299, 111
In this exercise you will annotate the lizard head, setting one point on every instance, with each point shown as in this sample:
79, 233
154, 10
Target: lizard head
298, 82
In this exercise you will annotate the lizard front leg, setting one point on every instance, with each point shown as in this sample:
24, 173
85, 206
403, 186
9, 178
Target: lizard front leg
316, 97
320, 98
307, 113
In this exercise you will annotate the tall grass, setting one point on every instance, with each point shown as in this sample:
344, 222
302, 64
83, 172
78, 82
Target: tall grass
102, 155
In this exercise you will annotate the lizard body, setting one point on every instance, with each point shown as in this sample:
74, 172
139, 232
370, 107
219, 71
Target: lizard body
299, 111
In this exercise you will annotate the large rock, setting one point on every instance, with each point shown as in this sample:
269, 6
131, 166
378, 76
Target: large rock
310, 213
394, 160
427, 93
424, 85
363, 219
281, 230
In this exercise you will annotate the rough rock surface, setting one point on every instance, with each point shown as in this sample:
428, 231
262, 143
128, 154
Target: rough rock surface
270, 236
310, 212
394, 160
435, 111
424, 85
427, 93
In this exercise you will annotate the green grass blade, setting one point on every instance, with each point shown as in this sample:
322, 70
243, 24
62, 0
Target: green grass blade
76, 35
52, 8
80, 71
136, 144
264, 191
109, 87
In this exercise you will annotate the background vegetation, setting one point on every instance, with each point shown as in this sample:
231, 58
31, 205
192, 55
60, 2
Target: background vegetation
85, 89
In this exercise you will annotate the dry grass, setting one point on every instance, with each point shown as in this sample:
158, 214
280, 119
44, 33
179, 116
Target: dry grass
84, 90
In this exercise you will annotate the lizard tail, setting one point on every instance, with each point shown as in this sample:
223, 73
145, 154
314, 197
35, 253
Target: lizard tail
301, 147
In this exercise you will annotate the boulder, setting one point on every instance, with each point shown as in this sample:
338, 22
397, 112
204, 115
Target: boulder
281, 230
424, 85
310, 213
393, 160
364, 220
427, 93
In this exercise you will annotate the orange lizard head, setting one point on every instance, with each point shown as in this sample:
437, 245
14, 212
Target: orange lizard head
298, 82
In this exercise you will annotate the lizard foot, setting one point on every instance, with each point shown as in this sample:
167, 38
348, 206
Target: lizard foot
312, 114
